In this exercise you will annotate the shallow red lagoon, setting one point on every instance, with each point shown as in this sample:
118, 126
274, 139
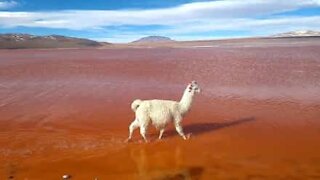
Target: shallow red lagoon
67, 112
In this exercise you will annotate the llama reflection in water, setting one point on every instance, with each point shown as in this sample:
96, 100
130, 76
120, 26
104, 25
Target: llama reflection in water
150, 164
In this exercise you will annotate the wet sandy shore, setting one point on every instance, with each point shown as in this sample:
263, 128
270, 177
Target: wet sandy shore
67, 112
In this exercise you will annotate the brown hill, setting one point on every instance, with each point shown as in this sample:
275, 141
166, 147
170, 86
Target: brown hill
25, 41
153, 39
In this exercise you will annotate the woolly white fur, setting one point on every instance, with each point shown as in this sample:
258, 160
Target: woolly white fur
161, 112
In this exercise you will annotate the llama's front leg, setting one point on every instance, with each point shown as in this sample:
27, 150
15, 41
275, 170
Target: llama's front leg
177, 124
180, 131
161, 133
134, 125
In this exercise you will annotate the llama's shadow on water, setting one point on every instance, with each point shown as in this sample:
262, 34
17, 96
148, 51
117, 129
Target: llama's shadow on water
202, 128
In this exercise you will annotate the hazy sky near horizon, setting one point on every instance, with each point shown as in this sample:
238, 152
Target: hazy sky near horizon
128, 20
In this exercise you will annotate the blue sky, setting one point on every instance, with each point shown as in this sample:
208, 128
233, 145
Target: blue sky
128, 20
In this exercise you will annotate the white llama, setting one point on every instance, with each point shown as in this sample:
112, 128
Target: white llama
161, 112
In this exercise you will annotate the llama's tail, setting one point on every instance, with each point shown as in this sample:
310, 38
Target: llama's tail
135, 104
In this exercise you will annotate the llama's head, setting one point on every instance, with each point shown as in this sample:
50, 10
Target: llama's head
193, 87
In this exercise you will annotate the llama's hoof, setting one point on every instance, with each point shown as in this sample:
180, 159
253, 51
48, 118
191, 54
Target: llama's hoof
158, 140
142, 141
127, 140
188, 136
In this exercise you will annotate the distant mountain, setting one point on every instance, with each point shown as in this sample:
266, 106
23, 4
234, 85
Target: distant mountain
153, 39
304, 33
25, 41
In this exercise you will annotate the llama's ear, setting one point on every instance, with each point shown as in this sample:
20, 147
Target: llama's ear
194, 82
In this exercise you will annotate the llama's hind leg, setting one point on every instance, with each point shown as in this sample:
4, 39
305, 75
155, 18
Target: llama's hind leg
144, 121
143, 131
134, 125
161, 133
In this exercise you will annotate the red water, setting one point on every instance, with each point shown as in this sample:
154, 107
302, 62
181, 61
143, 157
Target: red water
68, 111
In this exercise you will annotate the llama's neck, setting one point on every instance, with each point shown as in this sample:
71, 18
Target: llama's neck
186, 101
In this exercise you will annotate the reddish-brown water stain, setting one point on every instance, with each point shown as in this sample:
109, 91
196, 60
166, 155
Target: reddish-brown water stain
68, 111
